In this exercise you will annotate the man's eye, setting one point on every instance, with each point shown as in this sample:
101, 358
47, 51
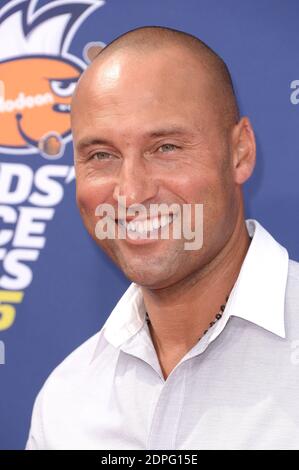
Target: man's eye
102, 156
167, 148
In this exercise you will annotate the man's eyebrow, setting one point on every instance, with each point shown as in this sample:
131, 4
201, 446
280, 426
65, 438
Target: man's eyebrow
173, 130
89, 141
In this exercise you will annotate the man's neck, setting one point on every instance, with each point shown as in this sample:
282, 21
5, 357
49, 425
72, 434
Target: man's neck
180, 314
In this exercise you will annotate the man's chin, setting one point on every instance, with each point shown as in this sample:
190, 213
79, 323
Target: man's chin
148, 279
147, 269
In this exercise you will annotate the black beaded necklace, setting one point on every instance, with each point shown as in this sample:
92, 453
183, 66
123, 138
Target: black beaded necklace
212, 323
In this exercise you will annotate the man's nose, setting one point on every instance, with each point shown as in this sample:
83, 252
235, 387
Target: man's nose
135, 182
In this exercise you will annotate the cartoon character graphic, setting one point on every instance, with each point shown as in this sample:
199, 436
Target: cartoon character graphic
38, 74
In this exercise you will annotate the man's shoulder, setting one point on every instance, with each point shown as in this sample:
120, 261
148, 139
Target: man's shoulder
65, 389
292, 291
73, 368
293, 271
82, 354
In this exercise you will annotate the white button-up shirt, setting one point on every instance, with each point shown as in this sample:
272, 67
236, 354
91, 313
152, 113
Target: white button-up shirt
237, 388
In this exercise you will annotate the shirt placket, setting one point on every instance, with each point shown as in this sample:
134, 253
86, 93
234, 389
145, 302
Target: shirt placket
168, 409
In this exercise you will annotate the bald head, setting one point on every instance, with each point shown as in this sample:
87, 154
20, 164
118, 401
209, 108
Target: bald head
156, 39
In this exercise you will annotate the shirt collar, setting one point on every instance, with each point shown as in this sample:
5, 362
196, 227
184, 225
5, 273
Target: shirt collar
259, 292
257, 296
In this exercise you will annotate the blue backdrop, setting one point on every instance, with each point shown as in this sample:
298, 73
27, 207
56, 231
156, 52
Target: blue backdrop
56, 287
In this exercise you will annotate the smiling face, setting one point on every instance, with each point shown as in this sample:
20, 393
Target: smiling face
149, 128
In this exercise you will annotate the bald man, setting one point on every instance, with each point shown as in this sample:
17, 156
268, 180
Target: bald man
200, 351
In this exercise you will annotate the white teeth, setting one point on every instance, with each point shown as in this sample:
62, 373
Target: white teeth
131, 226
156, 223
148, 225
164, 220
140, 226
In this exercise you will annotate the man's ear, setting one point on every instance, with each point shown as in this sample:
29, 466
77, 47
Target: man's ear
243, 150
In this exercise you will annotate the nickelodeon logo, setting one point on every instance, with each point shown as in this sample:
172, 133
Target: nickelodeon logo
39, 74
23, 101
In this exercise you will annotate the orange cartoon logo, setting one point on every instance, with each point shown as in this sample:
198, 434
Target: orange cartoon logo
38, 74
